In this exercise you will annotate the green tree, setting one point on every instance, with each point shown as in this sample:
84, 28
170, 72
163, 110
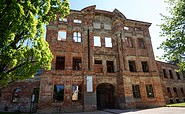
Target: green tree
173, 28
23, 50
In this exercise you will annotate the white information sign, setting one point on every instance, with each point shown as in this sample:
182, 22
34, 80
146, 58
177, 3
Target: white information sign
89, 84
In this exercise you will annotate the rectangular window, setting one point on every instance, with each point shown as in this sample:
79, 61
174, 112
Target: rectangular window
182, 91
110, 66
149, 90
108, 42
169, 92
77, 64
98, 62
77, 21
16, 95
35, 95
77, 37
58, 94
60, 63
145, 66
164, 73
61, 35
76, 92
129, 42
178, 75
132, 66
171, 74
126, 28
97, 41
63, 19
175, 91
136, 91
141, 43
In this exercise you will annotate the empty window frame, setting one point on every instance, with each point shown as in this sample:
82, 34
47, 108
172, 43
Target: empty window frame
149, 90
76, 92
77, 64
58, 93
132, 66
175, 91
110, 66
77, 37
16, 95
61, 35
35, 95
129, 42
182, 91
60, 63
136, 91
108, 42
62, 19
77, 21
164, 73
171, 74
169, 92
145, 66
98, 62
178, 75
97, 41
141, 43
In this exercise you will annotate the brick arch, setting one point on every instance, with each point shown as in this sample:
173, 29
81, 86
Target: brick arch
105, 95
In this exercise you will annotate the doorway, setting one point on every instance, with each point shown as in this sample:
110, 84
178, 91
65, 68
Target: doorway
105, 96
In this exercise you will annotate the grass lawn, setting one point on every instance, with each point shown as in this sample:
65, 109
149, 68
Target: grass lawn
177, 105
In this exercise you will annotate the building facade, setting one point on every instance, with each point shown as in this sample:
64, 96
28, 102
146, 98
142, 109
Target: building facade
104, 58
101, 60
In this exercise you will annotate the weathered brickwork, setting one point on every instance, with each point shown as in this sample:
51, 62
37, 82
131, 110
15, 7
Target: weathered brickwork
101, 60
18, 96
102, 24
174, 85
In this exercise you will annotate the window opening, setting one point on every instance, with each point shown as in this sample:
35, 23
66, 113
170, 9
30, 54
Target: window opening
171, 74
35, 95
76, 92
164, 73
60, 63
108, 42
132, 66
97, 41
63, 19
149, 90
77, 64
136, 91
77, 21
16, 95
145, 66
58, 94
178, 75
141, 43
110, 66
77, 37
61, 35
98, 62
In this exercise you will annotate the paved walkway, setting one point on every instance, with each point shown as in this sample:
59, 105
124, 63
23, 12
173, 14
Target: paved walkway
161, 110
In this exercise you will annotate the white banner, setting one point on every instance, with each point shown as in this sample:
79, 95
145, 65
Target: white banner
89, 84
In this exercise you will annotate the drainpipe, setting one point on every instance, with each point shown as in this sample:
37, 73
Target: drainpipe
89, 62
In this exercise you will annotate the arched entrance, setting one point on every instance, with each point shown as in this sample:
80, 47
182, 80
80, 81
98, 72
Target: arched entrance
105, 96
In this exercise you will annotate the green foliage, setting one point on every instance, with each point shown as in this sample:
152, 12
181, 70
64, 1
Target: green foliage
23, 50
174, 29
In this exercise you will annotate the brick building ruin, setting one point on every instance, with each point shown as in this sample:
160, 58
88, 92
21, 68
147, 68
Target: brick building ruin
101, 60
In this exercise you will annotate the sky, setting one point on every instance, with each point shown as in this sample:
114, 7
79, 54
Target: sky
141, 10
